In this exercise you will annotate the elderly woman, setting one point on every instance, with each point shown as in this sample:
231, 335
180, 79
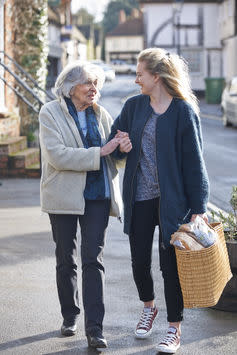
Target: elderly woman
79, 183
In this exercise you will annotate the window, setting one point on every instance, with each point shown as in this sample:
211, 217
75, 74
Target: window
194, 59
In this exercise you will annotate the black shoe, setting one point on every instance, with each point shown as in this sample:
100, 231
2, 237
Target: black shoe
96, 341
68, 328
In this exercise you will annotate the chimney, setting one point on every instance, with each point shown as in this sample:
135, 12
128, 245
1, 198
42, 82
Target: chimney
122, 16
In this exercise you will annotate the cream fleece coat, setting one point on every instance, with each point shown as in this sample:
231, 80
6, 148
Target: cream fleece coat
65, 161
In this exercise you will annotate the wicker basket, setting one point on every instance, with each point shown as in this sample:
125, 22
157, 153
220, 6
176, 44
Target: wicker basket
203, 274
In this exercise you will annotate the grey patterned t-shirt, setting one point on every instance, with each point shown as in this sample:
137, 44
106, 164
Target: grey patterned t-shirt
147, 179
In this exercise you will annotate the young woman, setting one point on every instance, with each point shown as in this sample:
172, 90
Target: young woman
165, 181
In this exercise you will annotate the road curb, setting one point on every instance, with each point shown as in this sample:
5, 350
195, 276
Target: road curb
211, 207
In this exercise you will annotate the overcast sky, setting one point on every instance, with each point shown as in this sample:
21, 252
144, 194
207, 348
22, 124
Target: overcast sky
94, 7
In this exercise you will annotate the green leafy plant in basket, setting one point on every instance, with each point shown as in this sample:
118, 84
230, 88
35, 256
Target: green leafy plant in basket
229, 220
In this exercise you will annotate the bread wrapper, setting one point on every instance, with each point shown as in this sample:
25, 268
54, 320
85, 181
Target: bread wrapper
194, 235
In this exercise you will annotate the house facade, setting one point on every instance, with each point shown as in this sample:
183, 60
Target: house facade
127, 39
93, 40
55, 49
67, 36
189, 28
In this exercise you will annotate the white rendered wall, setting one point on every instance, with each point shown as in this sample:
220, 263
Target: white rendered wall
82, 51
211, 26
124, 43
227, 19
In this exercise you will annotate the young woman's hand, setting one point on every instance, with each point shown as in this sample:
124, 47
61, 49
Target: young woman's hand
202, 215
125, 144
121, 134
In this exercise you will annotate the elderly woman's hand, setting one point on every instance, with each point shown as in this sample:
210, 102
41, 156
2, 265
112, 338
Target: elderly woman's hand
109, 147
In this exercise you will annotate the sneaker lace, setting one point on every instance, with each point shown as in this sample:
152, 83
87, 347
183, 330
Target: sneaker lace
170, 338
145, 319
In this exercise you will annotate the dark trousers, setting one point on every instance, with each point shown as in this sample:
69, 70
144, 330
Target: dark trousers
93, 225
145, 217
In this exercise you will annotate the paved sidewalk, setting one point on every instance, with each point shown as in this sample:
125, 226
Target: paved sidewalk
29, 308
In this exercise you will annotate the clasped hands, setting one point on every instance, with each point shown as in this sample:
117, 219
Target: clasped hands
121, 139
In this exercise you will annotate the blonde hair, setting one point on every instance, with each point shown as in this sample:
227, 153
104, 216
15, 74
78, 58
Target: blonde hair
173, 71
75, 73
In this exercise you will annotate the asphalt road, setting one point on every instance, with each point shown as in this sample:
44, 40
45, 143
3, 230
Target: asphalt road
220, 153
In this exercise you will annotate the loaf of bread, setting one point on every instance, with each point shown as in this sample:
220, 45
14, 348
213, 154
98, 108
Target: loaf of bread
185, 228
184, 241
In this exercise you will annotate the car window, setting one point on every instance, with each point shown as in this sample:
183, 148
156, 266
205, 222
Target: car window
233, 86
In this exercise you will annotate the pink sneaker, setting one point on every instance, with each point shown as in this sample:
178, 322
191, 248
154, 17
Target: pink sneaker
171, 342
144, 326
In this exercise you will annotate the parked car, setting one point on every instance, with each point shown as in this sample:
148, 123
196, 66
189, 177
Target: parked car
108, 70
132, 68
229, 103
122, 67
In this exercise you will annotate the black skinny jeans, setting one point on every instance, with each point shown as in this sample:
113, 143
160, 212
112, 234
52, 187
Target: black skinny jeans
145, 217
93, 225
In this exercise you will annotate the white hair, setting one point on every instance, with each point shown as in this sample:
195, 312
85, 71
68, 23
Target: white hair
76, 73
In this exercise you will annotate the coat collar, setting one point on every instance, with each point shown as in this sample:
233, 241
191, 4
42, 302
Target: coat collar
149, 109
71, 122
96, 108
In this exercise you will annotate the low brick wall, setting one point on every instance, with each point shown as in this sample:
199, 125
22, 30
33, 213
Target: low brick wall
9, 126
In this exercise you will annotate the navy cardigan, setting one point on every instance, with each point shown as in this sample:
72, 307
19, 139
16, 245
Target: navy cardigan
182, 175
